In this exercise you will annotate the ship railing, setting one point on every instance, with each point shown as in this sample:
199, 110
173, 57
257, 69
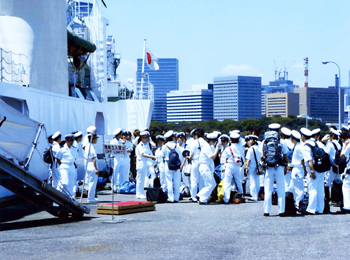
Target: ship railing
14, 68
143, 91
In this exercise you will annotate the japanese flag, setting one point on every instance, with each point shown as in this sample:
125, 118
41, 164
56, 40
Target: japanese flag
152, 60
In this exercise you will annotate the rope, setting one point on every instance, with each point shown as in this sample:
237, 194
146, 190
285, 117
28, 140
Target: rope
11, 80
20, 54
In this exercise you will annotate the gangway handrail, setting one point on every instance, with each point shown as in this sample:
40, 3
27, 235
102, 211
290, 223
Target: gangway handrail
17, 70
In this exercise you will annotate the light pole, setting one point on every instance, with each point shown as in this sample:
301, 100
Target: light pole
339, 119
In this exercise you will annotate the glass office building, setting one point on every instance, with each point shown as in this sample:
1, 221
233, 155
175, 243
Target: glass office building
190, 105
237, 97
164, 80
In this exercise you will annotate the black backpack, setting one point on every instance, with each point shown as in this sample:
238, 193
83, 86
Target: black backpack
290, 209
339, 161
272, 149
174, 160
48, 157
321, 162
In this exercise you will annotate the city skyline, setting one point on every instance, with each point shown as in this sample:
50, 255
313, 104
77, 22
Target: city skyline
225, 38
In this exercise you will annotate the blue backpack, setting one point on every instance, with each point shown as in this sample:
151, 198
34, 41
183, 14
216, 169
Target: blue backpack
174, 160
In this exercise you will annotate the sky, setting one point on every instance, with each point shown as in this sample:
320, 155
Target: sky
234, 37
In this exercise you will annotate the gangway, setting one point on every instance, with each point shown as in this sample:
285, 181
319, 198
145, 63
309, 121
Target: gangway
39, 193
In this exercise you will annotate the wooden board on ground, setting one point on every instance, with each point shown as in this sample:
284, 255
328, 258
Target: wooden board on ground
125, 211
127, 207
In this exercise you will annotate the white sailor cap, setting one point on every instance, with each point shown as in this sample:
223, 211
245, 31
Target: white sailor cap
144, 130
236, 131
192, 132
217, 132
296, 134
212, 136
117, 131
144, 133
169, 134
68, 136
224, 137
306, 132
160, 137
316, 131
274, 126
91, 130
181, 134
344, 127
234, 135
253, 136
78, 134
286, 131
56, 134
335, 132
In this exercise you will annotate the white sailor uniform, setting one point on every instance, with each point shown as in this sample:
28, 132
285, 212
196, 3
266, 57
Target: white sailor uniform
67, 156
143, 167
161, 167
55, 167
346, 180
206, 170
235, 160
297, 177
272, 174
172, 177
195, 147
315, 186
254, 178
91, 176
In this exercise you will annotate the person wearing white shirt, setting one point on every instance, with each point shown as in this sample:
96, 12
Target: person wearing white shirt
285, 137
182, 145
274, 173
66, 160
332, 146
195, 147
144, 154
206, 168
129, 148
315, 180
234, 155
56, 137
172, 177
346, 177
119, 173
77, 145
298, 169
252, 162
160, 162
91, 168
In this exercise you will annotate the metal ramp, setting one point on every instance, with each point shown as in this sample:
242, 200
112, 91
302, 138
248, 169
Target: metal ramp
41, 194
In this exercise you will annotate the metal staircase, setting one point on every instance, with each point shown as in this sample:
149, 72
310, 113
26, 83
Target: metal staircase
39, 193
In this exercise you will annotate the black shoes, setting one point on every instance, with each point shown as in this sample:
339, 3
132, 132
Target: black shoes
203, 203
266, 214
281, 215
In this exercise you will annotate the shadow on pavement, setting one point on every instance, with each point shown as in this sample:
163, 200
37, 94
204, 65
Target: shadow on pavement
38, 223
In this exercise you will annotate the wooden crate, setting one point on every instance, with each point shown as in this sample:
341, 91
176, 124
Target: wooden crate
128, 207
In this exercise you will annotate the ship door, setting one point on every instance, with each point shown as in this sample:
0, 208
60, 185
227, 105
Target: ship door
100, 123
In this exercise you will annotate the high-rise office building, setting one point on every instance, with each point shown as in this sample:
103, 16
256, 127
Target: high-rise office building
321, 103
193, 105
237, 97
282, 104
164, 80
280, 85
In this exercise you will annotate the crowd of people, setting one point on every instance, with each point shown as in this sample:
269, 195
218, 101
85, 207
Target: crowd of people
284, 160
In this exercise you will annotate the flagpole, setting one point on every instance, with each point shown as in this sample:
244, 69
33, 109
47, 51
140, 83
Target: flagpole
143, 66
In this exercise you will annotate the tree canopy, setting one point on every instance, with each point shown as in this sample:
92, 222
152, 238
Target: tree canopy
228, 125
